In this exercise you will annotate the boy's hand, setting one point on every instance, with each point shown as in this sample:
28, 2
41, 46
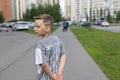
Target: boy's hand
59, 75
55, 77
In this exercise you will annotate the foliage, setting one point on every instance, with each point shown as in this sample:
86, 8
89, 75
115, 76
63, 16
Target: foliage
32, 12
40, 9
87, 25
53, 10
87, 17
57, 13
97, 13
101, 12
90, 14
118, 16
109, 18
1, 17
27, 15
94, 15
114, 17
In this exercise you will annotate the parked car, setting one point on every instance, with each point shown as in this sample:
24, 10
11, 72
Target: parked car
21, 25
30, 24
105, 24
0, 25
97, 23
5, 24
4, 29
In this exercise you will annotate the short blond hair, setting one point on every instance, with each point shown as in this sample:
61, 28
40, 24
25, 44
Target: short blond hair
47, 19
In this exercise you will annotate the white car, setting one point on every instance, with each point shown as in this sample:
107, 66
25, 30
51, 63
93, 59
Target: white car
30, 24
105, 24
20, 26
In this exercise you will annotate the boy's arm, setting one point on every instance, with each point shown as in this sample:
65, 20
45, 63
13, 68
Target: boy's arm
46, 68
62, 63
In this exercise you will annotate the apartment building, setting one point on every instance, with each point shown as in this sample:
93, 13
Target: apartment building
22, 5
6, 8
116, 4
14, 9
78, 9
67, 9
105, 5
86, 4
51, 2
114, 7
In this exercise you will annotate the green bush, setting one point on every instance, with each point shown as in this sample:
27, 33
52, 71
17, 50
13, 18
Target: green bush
87, 25
1, 17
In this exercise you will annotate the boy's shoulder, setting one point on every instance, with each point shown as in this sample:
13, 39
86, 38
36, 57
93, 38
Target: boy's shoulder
50, 39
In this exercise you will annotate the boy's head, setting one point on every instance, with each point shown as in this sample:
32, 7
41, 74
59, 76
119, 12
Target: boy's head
43, 24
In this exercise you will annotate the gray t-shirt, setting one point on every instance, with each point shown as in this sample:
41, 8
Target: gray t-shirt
48, 50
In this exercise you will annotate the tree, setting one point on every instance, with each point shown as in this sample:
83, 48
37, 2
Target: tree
118, 16
30, 13
54, 11
109, 18
101, 12
97, 13
114, 17
1, 17
33, 12
27, 15
87, 17
94, 15
40, 9
90, 14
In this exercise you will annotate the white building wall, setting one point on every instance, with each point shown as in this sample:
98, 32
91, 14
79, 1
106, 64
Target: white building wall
84, 7
17, 10
21, 6
73, 10
51, 2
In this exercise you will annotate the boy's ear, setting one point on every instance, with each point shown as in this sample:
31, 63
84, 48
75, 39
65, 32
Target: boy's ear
48, 28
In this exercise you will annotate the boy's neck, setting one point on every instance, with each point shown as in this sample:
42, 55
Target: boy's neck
47, 34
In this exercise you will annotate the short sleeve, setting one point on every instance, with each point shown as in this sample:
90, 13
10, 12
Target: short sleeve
39, 56
62, 49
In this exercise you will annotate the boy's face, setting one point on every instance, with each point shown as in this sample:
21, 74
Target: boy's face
40, 29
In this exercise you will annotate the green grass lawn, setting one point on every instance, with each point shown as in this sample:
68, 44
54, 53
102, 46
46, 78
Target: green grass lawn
32, 30
103, 47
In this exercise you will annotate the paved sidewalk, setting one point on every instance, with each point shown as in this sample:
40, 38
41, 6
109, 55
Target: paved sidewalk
79, 65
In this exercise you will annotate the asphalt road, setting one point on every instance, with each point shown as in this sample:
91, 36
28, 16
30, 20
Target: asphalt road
16, 56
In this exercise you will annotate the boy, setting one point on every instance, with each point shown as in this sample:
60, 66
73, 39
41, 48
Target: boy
50, 54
